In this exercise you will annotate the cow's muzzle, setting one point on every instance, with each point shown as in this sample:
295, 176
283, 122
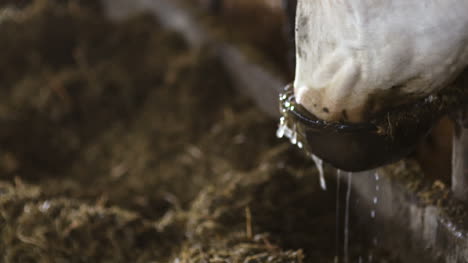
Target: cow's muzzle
389, 136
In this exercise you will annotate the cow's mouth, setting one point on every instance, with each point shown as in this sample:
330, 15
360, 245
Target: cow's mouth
386, 138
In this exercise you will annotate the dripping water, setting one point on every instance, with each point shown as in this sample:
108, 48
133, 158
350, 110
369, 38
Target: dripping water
337, 216
319, 165
375, 201
285, 131
346, 223
373, 213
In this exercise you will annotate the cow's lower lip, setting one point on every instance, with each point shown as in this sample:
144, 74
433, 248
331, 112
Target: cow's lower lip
362, 146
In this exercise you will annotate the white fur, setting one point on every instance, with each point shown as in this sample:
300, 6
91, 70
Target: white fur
348, 49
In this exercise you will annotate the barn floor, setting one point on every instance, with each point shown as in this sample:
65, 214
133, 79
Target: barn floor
120, 144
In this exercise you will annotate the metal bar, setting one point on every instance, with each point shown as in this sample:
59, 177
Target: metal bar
253, 80
401, 220
460, 146
460, 164
169, 14
250, 78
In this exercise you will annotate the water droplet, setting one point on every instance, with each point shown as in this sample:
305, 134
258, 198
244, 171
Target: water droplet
293, 136
375, 201
319, 165
44, 206
280, 131
430, 98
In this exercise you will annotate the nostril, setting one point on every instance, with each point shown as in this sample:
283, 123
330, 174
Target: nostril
329, 105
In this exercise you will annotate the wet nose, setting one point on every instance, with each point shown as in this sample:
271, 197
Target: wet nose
366, 145
335, 90
327, 106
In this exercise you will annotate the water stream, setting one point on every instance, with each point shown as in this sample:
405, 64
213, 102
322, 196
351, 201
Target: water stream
290, 132
346, 221
319, 164
343, 203
337, 216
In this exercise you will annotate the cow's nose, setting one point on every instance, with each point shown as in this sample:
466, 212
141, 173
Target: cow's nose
325, 106
359, 146
334, 90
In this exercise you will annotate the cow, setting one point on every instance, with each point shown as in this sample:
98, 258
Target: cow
356, 52
359, 59
356, 60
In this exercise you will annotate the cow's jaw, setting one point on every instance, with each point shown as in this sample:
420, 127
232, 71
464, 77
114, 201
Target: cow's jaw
357, 57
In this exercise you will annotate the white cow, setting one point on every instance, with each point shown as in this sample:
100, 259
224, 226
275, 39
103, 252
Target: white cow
353, 56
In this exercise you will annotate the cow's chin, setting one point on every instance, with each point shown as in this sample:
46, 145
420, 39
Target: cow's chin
387, 137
